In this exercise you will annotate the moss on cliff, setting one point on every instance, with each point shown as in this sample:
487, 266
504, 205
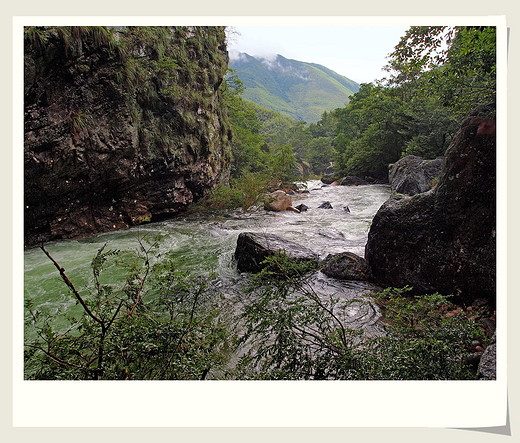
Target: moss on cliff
121, 123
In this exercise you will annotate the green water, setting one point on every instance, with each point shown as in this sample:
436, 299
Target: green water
205, 243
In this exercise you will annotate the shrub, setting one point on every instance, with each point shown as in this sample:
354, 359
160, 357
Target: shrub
156, 323
294, 333
244, 192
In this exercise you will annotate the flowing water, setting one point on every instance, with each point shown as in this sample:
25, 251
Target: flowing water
206, 243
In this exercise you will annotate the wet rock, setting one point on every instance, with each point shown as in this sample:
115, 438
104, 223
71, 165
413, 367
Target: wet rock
443, 240
346, 266
302, 207
330, 177
413, 175
278, 201
253, 248
331, 233
352, 180
325, 205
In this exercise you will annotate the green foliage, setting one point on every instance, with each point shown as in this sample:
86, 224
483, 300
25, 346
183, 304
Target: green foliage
422, 343
284, 164
80, 122
292, 332
157, 323
299, 90
381, 125
244, 192
437, 75
457, 65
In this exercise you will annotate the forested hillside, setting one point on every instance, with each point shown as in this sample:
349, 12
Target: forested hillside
417, 109
300, 90
436, 75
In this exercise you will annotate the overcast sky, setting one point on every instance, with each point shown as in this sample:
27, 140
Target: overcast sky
357, 52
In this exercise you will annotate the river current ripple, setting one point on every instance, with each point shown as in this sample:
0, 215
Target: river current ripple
206, 243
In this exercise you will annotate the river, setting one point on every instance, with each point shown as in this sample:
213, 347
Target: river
206, 243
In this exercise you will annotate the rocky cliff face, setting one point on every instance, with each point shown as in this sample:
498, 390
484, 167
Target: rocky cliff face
444, 240
122, 125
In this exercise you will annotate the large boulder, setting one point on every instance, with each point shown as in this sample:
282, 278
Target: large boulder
444, 240
253, 248
346, 266
412, 174
352, 180
279, 201
330, 176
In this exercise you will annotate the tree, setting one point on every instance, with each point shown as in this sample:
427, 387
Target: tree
381, 124
247, 142
455, 64
284, 164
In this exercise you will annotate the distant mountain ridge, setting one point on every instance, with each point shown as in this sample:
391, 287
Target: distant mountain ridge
300, 90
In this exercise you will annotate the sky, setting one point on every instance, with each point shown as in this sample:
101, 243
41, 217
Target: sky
357, 52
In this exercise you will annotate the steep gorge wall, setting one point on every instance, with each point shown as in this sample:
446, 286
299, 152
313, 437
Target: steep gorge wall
122, 125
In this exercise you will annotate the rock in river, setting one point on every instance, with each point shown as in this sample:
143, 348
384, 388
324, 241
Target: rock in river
325, 205
279, 201
351, 180
253, 248
346, 266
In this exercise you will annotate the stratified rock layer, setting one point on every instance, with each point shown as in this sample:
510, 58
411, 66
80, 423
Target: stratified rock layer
444, 240
122, 125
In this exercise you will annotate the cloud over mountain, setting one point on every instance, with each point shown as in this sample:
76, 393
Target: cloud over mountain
298, 89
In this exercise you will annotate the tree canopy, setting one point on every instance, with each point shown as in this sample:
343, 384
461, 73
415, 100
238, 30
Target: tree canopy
437, 75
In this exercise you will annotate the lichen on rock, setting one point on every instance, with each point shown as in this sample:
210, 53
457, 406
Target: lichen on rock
413, 175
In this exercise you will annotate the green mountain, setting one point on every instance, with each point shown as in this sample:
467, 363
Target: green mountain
300, 90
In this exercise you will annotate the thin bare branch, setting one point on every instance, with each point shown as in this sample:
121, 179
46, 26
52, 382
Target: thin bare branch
72, 288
